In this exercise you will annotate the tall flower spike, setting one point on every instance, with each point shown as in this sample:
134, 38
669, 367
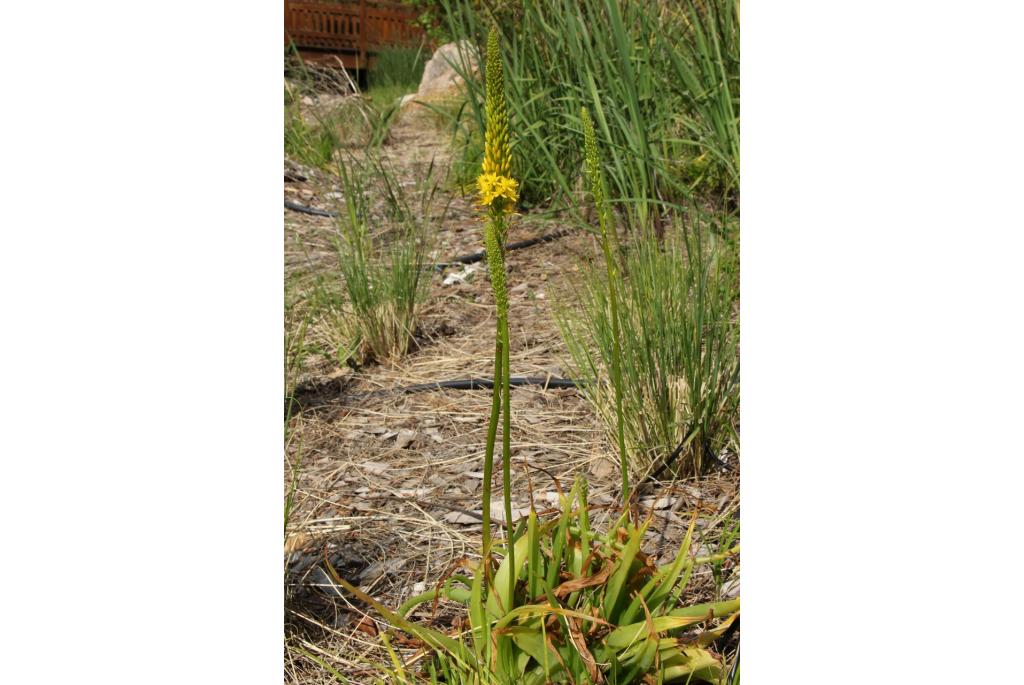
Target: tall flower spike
608, 240
593, 160
596, 178
497, 148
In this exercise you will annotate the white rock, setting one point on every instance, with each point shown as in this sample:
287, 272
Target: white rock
658, 503
439, 76
374, 468
459, 517
404, 438
457, 278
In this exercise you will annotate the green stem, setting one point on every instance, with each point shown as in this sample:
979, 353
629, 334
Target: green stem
506, 453
493, 236
613, 300
617, 373
609, 240
492, 428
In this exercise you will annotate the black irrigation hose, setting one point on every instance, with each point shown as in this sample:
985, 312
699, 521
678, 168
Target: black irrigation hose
516, 381
461, 259
296, 207
296, 403
708, 454
479, 256
472, 384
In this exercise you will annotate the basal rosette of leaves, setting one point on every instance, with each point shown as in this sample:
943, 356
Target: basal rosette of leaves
586, 607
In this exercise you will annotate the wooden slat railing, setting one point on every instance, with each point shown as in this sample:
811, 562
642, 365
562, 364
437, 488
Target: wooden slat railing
361, 27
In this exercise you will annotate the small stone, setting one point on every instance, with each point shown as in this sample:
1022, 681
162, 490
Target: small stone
404, 438
374, 468
602, 468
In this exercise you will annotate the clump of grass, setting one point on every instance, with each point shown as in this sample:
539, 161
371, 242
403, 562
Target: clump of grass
708, 71
398, 66
661, 82
383, 274
325, 112
312, 144
679, 348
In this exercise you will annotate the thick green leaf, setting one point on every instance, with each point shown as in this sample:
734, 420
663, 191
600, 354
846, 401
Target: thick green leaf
624, 636
717, 609
658, 588
616, 586
690, 664
531, 641
501, 580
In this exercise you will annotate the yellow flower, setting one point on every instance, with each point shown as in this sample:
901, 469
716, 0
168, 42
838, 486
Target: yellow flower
495, 188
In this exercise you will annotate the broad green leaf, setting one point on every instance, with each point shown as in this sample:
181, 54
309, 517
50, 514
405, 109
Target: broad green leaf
501, 580
614, 592
624, 636
690, 664
531, 641
717, 609
477, 615
658, 587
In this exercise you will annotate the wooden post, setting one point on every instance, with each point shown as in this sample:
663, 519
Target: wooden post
287, 20
362, 34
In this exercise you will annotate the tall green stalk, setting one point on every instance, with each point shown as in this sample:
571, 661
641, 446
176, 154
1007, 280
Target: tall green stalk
596, 178
492, 426
498, 193
506, 445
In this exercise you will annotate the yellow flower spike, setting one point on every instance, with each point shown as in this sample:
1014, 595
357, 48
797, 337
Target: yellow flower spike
497, 148
498, 193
